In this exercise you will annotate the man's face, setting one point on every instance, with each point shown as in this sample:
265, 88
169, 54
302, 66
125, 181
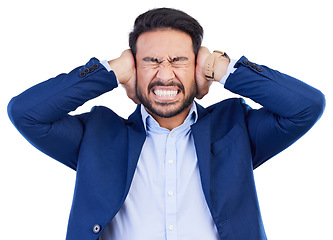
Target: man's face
165, 72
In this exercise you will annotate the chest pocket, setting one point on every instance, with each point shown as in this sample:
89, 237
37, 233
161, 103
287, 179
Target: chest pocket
227, 140
231, 158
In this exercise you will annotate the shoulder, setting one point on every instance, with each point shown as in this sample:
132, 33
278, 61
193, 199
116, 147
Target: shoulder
228, 108
106, 116
225, 115
101, 115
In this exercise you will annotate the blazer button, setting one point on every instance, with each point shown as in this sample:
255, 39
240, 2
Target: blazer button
252, 65
82, 74
96, 228
246, 62
95, 66
257, 68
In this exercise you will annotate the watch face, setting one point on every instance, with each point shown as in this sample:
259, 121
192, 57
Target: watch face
226, 55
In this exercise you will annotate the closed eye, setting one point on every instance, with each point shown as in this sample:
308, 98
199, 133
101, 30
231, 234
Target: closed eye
175, 62
179, 59
179, 62
151, 62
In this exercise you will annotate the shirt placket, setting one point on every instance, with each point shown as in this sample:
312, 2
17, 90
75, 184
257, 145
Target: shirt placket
171, 187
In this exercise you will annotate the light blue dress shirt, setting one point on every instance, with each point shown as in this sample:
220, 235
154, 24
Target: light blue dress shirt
165, 200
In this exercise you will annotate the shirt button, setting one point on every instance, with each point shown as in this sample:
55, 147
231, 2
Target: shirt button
96, 228
171, 227
170, 193
170, 161
172, 134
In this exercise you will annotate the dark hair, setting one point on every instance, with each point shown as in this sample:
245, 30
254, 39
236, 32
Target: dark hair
166, 18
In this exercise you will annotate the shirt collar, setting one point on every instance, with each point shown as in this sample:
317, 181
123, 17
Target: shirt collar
148, 120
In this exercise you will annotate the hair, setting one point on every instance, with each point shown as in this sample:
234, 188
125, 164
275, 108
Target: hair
166, 18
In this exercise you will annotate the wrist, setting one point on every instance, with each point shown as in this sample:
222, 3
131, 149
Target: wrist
221, 67
217, 66
122, 74
123, 66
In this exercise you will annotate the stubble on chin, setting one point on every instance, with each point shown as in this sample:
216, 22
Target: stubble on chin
166, 109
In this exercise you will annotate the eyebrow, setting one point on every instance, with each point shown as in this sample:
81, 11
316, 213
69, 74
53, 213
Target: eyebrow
150, 59
179, 59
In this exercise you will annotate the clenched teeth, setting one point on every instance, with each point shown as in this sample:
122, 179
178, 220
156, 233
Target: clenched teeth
166, 93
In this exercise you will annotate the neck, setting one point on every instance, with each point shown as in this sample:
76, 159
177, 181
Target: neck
173, 122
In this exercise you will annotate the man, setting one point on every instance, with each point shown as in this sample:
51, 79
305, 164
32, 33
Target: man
173, 169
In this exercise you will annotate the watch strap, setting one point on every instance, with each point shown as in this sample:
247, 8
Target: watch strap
209, 72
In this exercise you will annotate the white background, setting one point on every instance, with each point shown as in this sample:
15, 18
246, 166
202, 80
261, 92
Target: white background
40, 39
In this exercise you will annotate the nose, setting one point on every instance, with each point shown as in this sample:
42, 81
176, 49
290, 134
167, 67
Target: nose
165, 71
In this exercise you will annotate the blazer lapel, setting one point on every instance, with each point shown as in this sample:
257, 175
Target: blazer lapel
202, 140
136, 139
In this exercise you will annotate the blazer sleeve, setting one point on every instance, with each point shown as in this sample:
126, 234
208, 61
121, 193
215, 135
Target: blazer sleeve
289, 107
41, 113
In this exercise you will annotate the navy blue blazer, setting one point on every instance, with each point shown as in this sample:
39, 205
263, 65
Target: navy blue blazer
231, 140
